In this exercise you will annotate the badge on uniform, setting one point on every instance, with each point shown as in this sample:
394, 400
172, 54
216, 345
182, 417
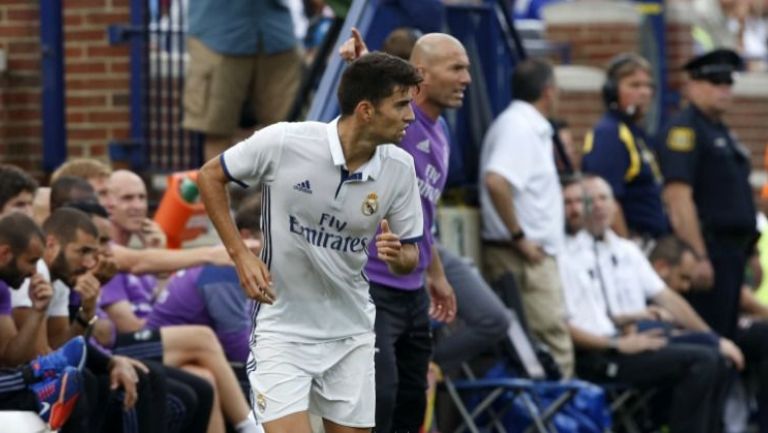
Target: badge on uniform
680, 139
371, 204
261, 402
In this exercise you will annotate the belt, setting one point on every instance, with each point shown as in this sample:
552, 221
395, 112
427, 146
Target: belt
498, 243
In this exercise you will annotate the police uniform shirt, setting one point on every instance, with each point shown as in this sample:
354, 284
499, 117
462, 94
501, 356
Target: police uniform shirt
705, 155
318, 221
619, 152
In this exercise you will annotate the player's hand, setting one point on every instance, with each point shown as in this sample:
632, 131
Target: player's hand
151, 235
703, 275
122, 374
641, 342
532, 253
442, 299
40, 292
388, 244
353, 48
255, 278
88, 287
106, 269
658, 313
732, 352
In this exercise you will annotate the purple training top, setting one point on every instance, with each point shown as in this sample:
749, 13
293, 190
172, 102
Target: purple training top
5, 299
210, 296
425, 140
138, 290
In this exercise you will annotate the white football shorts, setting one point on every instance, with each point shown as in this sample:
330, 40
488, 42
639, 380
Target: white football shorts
333, 379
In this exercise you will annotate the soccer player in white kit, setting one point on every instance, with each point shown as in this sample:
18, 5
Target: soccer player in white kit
326, 188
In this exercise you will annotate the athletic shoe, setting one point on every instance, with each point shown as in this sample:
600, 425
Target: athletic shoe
57, 396
71, 354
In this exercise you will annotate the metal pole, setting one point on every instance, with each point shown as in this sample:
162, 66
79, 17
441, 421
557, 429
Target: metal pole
54, 127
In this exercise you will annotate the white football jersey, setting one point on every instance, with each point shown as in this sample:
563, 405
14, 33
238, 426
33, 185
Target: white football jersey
318, 221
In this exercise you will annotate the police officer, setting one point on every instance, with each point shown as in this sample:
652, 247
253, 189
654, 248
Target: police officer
706, 189
618, 150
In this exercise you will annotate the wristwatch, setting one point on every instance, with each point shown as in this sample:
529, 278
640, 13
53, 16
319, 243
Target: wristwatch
519, 234
85, 323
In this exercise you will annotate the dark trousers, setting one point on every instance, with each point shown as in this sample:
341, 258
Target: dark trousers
23, 400
403, 349
484, 317
719, 306
753, 342
189, 401
693, 373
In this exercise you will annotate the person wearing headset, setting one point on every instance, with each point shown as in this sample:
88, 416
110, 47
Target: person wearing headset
617, 149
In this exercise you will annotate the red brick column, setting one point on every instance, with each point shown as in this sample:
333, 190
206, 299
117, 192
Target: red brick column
20, 85
97, 80
97, 76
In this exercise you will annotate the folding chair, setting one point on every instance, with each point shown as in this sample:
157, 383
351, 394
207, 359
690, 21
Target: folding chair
496, 390
629, 406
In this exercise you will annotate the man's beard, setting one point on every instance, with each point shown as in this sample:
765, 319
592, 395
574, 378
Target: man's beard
60, 269
12, 275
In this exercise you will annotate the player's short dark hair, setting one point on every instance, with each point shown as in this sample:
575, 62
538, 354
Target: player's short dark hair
17, 230
67, 189
530, 78
669, 249
14, 181
374, 77
90, 207
400, 42
64, 223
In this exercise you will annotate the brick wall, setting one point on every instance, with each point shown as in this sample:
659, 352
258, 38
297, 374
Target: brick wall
97, 76
596, 30
96, 80
20, 110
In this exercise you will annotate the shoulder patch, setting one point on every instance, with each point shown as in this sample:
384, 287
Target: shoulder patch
589, 141
681, 139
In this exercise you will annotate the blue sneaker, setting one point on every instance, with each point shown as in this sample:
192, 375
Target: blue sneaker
57, 396
71, 354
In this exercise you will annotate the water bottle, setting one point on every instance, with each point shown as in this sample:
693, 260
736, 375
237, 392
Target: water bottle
188, 190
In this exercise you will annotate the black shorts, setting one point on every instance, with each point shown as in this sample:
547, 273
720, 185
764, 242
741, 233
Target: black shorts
144, 344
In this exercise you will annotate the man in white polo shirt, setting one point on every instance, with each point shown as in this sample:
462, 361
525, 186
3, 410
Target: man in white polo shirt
522, 206
608, 284
327, 187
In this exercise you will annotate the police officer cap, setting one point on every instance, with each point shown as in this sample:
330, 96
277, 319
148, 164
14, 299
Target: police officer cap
716, 66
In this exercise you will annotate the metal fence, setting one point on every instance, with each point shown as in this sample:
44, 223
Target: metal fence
157, 35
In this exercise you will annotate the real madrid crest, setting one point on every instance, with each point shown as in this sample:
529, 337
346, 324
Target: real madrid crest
261, 401
371, 204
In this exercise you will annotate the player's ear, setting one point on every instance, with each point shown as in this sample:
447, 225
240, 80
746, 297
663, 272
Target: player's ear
364, 110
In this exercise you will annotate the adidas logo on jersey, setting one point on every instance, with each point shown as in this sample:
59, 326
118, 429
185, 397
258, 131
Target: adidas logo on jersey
423, 146
303, 187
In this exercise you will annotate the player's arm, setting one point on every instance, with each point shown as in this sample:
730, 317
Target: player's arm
678, 197
502, 197
253, 273
159, 260
681, 310
122, 315
401, 258
441, 294
23, 317
751, 305
24, 342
